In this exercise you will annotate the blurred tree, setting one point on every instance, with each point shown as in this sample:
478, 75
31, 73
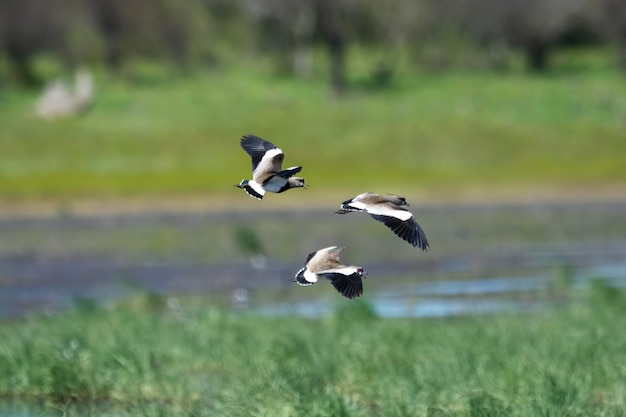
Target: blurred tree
439, 38
332, 32
82, 43
187, 32
612, 23
533, 25
289, 27
151, 28
28, 27
391, 25
182, 29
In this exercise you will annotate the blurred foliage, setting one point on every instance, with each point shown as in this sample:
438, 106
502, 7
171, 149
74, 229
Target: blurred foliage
247, 241
603, 296
355, 312
213, 33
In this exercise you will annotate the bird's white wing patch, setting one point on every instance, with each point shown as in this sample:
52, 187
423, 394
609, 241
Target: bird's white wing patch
347, 271
385, 210
267, 163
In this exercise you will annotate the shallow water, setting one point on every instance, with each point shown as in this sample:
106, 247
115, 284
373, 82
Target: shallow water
477, 251
20, 409
460, 297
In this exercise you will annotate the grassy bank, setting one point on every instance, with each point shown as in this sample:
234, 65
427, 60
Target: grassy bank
454, 130
153, 357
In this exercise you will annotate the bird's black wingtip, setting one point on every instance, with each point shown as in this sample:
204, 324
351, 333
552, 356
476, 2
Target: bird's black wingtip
420, 241
347, 286
249, 136
422, 247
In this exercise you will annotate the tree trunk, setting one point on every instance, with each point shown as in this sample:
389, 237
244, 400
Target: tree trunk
537, 55
113, 57
622, 49
19, 59
303, 27
332, 34
302, 64
337, 52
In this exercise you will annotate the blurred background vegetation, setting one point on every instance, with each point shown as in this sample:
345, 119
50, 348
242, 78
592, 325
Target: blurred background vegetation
201, 34
452, 94
476, 99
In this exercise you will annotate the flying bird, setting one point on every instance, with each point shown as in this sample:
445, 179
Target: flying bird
325, 263
392, 211
267, 172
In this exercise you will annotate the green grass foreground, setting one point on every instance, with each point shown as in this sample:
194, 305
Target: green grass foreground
168, 135
154, 358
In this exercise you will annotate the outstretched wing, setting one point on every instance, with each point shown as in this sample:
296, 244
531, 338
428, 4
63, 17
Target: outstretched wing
333, 252
324, 259
347, 281
311, 255
266, 157
256, 146
407, 230
289, 172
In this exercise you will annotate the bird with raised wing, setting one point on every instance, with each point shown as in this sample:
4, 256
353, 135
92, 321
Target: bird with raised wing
325, 263
267, 172
392, 211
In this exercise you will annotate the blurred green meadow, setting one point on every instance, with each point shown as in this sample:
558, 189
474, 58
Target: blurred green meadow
152, 133
155, 356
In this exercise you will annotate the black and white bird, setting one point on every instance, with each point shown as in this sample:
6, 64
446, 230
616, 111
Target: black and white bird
267, 172
325, 263
392, 211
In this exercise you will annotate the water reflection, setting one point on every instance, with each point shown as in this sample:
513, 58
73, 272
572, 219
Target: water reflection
460, 297
19, 409
417, 308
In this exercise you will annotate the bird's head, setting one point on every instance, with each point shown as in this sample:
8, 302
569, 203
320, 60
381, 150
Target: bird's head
296, 182
299, 276
361, 272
